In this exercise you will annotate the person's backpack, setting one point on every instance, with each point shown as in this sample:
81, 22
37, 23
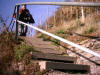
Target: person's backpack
31, 20
26, 17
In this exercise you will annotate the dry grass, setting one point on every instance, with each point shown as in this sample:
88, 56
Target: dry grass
22, 50
69, 28
7, 44
11, 52
92, 25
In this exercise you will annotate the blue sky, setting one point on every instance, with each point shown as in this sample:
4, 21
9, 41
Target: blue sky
37, 11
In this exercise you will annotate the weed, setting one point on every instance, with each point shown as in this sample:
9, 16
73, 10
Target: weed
22, 50
39, 73
72, 28
7, 44
60, 31
90, 29
45, 37
79, 23
55, 42
96, 19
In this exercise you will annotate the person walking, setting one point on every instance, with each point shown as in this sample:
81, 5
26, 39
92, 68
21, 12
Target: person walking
25, 16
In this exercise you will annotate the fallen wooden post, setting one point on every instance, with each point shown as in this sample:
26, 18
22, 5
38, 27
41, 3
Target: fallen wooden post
48, 65
53, 57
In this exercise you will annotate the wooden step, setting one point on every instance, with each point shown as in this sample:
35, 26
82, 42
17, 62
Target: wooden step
48, 65
53, 57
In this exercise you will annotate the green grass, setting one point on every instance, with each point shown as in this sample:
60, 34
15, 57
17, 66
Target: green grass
22, 50
55, 41
60, 31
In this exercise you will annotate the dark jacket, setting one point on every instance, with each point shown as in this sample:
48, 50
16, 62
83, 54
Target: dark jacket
25, 16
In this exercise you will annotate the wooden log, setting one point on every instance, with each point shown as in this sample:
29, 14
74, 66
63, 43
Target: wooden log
53, 57
48, 65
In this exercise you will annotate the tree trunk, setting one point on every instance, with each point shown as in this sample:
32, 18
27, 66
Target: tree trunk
83, 14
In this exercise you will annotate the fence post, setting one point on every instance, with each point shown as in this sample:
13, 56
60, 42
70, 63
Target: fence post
17, 17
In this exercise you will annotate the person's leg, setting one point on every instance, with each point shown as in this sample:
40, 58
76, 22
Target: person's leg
22, 29
19, 29
26, 29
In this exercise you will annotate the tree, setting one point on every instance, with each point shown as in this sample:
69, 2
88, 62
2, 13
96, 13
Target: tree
82, 12
3, 26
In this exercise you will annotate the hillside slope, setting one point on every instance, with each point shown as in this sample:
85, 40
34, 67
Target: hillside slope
86, 34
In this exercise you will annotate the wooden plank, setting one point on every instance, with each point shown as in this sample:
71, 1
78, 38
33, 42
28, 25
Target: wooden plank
48, 65
53, 57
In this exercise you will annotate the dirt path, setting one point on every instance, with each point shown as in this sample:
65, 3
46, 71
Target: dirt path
43, 46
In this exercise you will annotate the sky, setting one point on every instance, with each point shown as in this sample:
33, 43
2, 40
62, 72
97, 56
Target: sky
38, 11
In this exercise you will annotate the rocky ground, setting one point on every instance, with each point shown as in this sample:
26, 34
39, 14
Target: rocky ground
93, 44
